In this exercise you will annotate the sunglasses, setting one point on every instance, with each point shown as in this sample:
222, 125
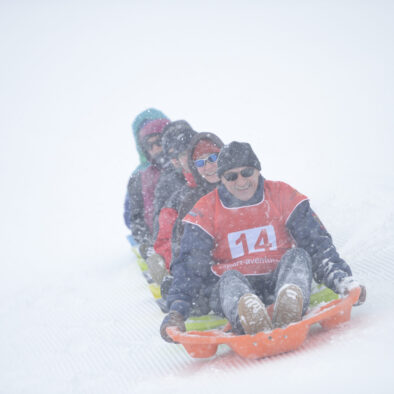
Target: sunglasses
211, 159
150, 144
233, 176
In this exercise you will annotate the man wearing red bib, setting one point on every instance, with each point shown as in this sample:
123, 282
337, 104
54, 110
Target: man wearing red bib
250, 243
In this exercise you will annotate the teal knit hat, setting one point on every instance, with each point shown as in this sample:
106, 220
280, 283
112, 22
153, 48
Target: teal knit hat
146, 116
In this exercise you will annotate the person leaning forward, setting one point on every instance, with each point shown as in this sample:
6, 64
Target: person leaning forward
138, 212
250, 243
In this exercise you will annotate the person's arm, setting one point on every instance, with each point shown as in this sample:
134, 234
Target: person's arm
191, 267
169, 183
162, 246
309, 233
139, 229
163, 192
189, 270
126, 210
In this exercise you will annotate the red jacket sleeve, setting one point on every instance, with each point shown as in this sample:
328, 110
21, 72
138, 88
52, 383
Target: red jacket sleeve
162, 246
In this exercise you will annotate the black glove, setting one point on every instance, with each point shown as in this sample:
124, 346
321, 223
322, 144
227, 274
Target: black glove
363, 296
173, 319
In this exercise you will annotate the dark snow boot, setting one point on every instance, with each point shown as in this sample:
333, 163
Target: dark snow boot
288, 306
252, 315
162, 305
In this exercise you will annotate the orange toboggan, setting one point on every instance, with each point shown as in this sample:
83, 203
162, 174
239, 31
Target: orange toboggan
204, 344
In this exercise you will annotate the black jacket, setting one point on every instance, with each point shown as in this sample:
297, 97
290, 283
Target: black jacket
171, 180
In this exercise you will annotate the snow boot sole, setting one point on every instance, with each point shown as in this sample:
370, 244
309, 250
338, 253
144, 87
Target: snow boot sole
288, 306
253, 315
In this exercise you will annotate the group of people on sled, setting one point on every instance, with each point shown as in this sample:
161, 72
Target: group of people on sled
217, 236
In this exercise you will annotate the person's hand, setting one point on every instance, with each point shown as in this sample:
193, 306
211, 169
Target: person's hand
145, 250
363, 296
348, 283
173, 319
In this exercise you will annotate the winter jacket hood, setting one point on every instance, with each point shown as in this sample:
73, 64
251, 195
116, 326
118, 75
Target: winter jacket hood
138, 124
200, 181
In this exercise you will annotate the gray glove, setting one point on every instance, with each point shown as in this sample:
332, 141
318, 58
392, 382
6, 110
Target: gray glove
157, 267
145, 250
348, 283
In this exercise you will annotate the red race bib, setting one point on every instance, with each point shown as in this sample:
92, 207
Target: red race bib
250, 239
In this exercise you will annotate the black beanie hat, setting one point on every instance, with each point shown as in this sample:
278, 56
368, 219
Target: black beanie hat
176, 138
237, 154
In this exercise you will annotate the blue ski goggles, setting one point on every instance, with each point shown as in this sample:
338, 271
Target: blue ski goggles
211, 159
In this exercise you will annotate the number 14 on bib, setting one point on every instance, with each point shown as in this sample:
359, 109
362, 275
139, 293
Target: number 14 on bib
254, 240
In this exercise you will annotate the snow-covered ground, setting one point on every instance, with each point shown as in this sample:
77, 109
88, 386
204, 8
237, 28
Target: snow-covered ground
309, 84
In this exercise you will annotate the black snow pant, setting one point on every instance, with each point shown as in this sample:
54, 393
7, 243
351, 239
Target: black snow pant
294, 267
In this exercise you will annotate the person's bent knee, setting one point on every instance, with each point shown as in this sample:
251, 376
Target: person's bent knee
232, 274
297, 255
297, 252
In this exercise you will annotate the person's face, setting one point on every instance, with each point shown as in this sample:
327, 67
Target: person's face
153, 145
207, 166
242, 186
175, 162
182, 158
